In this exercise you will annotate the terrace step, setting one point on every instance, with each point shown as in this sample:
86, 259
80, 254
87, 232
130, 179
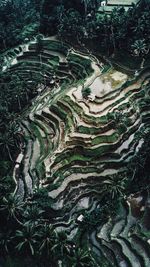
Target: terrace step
105, 231
134, 259
142, 247
117, 228
73, 145
119, 258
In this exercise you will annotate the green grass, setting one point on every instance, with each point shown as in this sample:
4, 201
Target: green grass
106, 68
105, 139
53, 46
86, 63
91, 130
67, 158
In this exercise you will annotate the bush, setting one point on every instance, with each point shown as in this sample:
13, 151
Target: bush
86, 92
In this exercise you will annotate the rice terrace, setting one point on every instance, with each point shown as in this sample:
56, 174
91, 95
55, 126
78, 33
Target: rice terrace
75, 133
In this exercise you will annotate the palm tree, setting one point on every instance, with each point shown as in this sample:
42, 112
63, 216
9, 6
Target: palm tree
33, 215
13, 127
27, 239
115, 186
7, 143
62, 247
140, 48
6, 182
82, 258
13, 206
5, 241
48, 236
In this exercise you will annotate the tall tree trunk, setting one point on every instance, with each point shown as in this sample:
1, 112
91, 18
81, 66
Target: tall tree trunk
113, 40
27, 98
8, 150
142, 63
85, 7
19, 104
4, 43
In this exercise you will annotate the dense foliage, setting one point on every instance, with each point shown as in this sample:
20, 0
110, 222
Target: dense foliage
81, 20
129, 30
19, 21
15, 94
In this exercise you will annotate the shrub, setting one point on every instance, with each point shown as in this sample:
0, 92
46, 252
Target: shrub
86, 92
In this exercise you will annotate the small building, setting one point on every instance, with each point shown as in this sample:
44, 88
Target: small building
80, 218
121, 2
108, 5
103, 3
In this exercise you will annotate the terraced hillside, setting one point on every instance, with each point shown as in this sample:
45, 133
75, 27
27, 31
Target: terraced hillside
75, 146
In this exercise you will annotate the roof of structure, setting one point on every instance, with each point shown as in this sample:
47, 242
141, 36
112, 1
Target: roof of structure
122, 2
109, 9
